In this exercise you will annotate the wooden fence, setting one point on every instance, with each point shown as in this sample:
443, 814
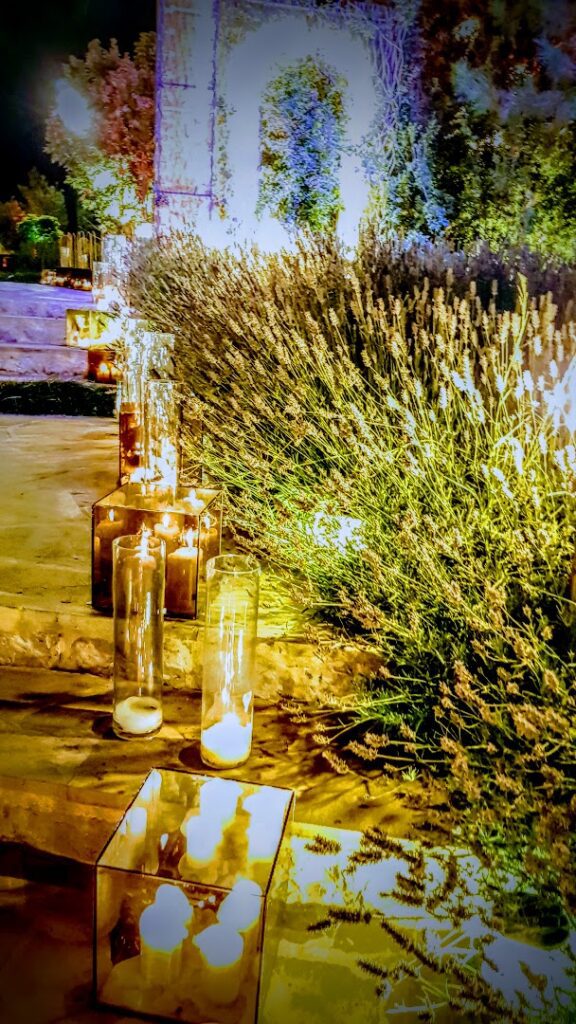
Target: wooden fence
79, 250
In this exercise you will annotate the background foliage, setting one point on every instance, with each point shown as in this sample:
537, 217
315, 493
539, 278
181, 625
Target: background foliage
110, 165
501, 80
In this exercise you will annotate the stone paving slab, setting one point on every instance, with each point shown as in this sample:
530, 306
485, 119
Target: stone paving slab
60, 763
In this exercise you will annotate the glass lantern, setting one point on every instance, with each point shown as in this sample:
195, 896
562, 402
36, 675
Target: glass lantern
189, 521
181, 891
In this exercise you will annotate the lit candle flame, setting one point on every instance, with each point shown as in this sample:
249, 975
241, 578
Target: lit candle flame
144, 545
188, 538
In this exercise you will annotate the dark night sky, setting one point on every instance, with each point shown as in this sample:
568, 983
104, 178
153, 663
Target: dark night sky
35, 40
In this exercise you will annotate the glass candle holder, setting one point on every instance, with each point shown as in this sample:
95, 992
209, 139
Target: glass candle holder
98, 282
130, 421
181, 907
162, 421
232, 586
138, 589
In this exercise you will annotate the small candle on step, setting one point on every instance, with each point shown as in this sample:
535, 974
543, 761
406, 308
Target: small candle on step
226, 743
104, 533
182, 577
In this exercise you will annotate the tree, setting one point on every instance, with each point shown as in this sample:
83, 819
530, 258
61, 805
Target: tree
503, 89
38, 239
11, 213
102, 131
42, 199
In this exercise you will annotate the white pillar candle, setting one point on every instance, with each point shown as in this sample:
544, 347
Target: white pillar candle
136, 822
182, 577
262, 841
176, 903
221, 948
161, 938
240, 909
150, 791
219, 800
227, 742
202, 838
194, 503
168, 530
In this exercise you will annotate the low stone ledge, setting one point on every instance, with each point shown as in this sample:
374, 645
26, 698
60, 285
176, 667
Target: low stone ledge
38, 638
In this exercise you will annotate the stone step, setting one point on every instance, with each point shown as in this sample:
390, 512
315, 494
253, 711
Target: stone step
41, 300
32, 330
34, 362
23, 396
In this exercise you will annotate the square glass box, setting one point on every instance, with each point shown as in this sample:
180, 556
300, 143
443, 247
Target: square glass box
88, 327
189, 520
181, 897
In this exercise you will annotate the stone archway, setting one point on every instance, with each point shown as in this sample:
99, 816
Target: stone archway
260, 57
214, 63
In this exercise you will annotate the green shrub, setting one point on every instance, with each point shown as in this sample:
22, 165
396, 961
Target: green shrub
438, 426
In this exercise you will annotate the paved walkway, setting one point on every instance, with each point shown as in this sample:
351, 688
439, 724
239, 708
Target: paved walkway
53, 469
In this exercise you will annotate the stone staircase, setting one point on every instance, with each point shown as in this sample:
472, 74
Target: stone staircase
33, 332
34, 357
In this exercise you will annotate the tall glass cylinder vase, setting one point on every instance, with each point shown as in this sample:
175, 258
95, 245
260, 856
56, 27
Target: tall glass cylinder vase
232, 586
138, 598
162, 427
131, 421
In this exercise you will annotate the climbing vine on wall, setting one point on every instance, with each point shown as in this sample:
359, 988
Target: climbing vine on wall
302, 131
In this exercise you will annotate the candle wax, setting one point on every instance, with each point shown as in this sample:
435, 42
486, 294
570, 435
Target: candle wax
161, 938
138, 716
227, 742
